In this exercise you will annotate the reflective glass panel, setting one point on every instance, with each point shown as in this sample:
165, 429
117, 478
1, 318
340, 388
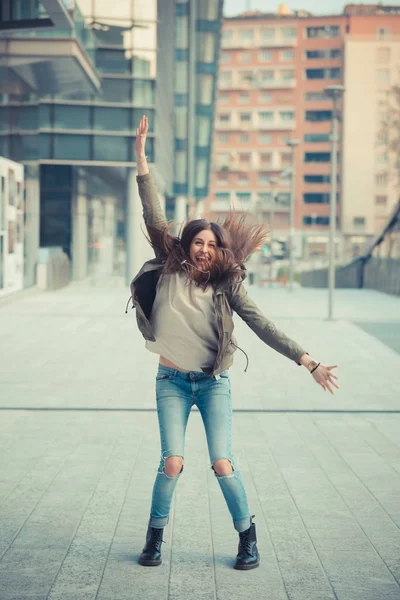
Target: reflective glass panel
113, 33
112, 148
112, 119
73, 147
144, 63
71, 117
113, 61
116, 90
143, 92
44, 116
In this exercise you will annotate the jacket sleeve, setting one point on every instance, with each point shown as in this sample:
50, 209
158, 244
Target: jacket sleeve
265, 329
153, 214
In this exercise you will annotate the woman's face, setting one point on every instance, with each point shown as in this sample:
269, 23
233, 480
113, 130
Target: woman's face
203, 248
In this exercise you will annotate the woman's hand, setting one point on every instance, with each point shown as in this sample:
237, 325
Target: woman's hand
140, 142
325, 378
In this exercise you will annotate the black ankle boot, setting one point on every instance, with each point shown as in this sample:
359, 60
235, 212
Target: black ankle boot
151, 554
248, 557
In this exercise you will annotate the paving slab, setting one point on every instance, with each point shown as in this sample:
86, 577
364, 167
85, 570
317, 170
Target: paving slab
79, 453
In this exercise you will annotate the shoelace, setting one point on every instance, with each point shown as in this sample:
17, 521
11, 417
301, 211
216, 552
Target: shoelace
246, 543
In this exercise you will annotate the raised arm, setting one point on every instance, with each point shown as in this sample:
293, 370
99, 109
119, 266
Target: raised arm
276, 339
152, 212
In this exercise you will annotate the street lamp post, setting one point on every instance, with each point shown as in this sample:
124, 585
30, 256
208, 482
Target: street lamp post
335, 92
293, 145
273, 183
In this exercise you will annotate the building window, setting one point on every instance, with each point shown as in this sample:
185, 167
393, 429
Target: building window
227, 36
263, 178
381, 179
223, 98
318, 115
381, 200
225, 77
289, 33
331, 31
264, 138
244, 98
224, 138
265, 160
266, 56
222, 178
323, 54
245, 117
268, 34
383, 55
243, 179
317, 198
224, 117
267, 75
314, 220
265, 98
244, 160
317, 157
266, 117
244, 138
383, 33
223, 196
286, 160
315, 97
287, 55
317, 178
286, 116
382, 159
334, 73
359, 222
246, 35
225, 57
243, 197
287, 74
312, 138
244, 57
383, 76
246, 77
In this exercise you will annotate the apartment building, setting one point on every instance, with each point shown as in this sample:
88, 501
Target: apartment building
274, 69
370, 177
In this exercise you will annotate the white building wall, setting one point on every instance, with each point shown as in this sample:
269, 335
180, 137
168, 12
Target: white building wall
11, 226
365, 92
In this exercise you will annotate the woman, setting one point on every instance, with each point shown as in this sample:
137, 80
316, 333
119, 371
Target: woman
184, 300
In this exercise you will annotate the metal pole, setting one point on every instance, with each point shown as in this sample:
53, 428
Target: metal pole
292, 221
272, 226
191, 108
332, 212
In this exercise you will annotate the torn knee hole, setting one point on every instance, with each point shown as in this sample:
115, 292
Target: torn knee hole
173, 466
222, 467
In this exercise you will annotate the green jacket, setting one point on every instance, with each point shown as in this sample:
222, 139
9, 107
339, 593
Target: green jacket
228, 297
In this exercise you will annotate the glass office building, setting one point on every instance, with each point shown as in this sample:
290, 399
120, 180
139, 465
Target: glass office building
71, 116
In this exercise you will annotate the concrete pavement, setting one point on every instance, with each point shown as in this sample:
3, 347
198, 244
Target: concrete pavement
79, 452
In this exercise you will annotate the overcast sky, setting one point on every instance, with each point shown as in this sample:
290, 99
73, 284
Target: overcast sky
319, 7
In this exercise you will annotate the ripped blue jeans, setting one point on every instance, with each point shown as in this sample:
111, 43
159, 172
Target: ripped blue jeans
176, 393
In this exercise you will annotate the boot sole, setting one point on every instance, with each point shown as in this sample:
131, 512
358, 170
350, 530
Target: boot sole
150, 563
246, 567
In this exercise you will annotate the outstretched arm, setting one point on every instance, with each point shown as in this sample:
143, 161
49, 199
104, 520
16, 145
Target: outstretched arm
152, 212
270, 335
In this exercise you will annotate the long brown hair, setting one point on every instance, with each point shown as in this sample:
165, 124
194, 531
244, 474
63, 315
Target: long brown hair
237, 238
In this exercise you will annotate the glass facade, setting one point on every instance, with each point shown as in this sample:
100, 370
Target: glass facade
195, 89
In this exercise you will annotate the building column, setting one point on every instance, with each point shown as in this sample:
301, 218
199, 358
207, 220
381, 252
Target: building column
79, 237
180, 217
199, 211
32, 227
138, 249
